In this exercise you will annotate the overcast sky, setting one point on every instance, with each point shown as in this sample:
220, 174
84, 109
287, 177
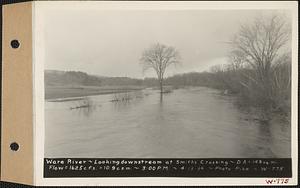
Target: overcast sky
110, 42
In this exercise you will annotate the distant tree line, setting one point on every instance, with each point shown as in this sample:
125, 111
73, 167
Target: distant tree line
63, 78
193, 79
78, 78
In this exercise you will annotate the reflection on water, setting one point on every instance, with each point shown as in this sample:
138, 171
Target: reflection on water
193, 122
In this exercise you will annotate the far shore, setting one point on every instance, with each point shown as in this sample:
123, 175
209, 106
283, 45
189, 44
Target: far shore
65, 93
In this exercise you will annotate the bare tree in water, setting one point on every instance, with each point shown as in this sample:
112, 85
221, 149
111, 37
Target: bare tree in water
158, 57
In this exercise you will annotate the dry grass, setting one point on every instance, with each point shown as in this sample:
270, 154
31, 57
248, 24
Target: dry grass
55, 92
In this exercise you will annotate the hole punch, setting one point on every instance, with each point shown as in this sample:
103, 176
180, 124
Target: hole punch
14, 146
15, 44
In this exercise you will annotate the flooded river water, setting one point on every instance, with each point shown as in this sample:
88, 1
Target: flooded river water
193, 122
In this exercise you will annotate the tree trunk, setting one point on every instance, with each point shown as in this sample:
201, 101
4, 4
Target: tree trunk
161, 86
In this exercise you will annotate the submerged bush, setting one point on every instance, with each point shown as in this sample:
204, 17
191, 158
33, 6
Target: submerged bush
118, 97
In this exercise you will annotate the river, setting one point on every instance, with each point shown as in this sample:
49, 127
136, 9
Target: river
194, 122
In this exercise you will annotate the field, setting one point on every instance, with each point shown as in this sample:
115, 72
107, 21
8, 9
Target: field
58, 92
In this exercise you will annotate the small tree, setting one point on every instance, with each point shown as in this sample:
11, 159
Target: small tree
158, 57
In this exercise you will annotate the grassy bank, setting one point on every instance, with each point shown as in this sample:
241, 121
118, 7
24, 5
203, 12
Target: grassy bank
55, 92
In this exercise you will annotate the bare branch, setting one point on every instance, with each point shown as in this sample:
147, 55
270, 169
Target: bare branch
158, 57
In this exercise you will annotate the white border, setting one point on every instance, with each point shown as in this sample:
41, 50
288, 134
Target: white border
38, 61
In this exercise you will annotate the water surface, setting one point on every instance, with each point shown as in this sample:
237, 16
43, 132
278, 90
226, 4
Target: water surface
194, 122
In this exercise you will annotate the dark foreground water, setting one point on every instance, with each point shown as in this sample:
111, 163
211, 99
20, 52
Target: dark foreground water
194, 122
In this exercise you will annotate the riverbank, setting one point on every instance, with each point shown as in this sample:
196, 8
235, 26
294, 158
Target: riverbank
260, 112
263, 115
61, 92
